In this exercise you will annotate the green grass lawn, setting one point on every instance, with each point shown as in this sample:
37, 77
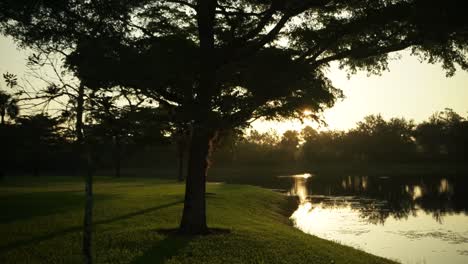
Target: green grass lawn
40, 222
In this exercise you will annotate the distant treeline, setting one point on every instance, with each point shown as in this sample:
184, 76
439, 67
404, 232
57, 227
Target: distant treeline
443, 137
38, 144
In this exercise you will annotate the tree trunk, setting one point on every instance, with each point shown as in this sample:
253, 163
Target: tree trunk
194, 214
2, 122
88, 213
79, 117
5, 151
84, 149
181, 150
117, 156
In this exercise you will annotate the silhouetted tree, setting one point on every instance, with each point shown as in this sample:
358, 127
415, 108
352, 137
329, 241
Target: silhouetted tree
7, 151
321, 146
223, 63
8, 107
382, 140
227, 149
289, 145
124, 127
40, 137
111, 125
308, 133
443, 136
71, 95
460, 141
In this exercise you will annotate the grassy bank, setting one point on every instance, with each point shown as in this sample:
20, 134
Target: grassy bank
41, 223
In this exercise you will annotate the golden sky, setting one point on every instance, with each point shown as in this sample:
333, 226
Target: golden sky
409, 89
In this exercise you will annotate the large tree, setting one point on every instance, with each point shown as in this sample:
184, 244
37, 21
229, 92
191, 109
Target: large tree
222, 63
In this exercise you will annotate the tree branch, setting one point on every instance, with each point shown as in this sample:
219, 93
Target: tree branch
184, 3
362, 53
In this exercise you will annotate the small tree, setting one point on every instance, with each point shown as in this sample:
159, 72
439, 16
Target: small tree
8, 107
71, 96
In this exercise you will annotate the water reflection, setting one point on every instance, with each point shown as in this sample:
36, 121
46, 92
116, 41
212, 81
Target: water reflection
299, 187
398, 197
387, 216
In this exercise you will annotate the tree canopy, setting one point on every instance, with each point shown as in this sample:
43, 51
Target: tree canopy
153, 47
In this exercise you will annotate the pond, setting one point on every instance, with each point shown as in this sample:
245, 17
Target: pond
411, 219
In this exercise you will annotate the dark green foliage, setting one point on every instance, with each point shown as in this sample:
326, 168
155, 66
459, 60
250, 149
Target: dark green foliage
443, 138
34, 144
323, 146
41, 144
146, 143
377, 139
120, 132
154, 47
8, 107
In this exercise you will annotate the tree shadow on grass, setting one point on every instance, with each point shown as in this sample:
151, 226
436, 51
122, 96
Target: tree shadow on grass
23, 206
171, 245
69, 230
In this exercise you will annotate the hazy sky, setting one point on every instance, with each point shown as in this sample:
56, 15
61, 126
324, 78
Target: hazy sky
410, 89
